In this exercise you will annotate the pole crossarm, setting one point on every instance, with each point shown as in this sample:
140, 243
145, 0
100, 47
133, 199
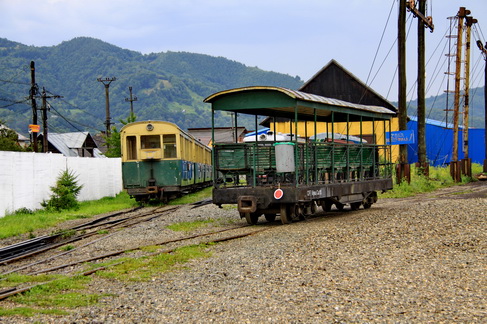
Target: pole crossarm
427, 20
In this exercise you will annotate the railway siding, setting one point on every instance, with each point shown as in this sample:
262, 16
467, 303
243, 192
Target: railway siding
420, 259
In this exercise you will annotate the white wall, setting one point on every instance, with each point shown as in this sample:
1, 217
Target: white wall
26, 178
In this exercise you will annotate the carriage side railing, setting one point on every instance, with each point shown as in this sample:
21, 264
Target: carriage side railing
254, 164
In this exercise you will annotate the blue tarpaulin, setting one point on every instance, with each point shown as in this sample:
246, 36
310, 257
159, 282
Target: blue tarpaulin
439, 143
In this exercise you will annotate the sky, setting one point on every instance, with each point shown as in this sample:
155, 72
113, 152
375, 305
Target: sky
291, 37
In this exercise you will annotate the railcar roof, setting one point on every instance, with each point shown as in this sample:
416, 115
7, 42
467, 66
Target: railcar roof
283, 102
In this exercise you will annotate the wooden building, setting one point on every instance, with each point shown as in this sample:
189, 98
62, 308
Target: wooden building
334, 81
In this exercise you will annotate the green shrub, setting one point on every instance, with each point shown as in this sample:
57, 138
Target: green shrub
64, 193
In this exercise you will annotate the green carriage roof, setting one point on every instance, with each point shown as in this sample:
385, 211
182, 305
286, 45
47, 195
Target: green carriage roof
283, 102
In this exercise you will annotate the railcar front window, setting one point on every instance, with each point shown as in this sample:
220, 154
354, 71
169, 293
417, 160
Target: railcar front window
131, 148
169, 146
150, 141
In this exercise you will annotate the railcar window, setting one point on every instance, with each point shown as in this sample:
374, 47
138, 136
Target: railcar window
150, 141
169, 146
131, 148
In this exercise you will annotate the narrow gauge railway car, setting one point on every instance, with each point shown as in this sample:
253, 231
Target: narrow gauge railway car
291, 179
161, 161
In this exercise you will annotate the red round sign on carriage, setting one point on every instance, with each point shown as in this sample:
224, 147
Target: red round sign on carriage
278, 194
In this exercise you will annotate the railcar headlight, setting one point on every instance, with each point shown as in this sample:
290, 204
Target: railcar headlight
149, 127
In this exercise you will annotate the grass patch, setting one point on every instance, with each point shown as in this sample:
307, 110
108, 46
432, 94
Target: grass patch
22, 222
68, 247
57, 291
28, 311
145, 268
439, 178
14, 279
189, 226
194, 197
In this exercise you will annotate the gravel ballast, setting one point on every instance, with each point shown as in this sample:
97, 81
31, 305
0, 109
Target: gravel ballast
403, 260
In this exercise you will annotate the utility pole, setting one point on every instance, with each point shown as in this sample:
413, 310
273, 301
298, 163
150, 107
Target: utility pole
131, 100
467, 162
106, 82
32, 96
454, 164
44, 109
403, 171
484, 51
423, 22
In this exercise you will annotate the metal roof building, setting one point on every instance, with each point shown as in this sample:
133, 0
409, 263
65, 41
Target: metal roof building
79, 144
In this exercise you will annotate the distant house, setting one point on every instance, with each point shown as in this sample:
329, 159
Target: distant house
79, 144
222, 134
21, 139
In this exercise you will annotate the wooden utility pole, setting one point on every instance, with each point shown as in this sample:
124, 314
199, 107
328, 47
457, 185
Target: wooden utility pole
402, 171
422, 166
44, 109
131, 100
484, 51
467, 162
106, 82
421, 92
454, 164
32, 96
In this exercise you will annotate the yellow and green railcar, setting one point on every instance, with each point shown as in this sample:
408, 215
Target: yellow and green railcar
161, 161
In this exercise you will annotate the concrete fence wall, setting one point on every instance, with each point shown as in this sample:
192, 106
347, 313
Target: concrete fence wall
26, 178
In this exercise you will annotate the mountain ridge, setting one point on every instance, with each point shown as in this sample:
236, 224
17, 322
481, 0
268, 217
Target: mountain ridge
166, 83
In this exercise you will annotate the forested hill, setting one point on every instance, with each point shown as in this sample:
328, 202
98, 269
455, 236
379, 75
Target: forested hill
169, 86
435, 108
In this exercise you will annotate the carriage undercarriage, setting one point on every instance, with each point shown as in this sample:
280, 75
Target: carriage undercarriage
297, 203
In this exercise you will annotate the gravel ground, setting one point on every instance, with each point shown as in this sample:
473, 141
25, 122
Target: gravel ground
401, 261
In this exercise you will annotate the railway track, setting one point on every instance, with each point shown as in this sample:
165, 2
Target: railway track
36, 256
120, 221
28, 248
217, 238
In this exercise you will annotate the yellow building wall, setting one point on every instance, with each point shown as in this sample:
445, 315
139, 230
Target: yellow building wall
306, 129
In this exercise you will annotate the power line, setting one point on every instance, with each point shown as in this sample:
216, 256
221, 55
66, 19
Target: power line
72, 122
13, 102
68, 121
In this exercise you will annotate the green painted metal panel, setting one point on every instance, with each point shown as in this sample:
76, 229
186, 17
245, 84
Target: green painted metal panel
281, 102
258, 99
137, 174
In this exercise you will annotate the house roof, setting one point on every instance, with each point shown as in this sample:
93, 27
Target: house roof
69, 143
334, 81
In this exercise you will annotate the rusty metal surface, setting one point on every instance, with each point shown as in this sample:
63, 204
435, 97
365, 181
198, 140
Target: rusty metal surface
308, 97
265, 195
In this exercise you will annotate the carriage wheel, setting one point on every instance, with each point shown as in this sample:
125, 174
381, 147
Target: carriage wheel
327, 206
270, 217
252, 218
367, 205
286, 217
339, 206
299, 212
355, 205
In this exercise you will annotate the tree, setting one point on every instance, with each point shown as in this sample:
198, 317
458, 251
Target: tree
64, 193
114, 147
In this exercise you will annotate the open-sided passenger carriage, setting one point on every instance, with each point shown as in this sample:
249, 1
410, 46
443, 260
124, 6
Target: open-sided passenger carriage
291, 178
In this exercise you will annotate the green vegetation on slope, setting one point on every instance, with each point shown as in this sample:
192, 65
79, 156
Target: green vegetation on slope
169, 86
